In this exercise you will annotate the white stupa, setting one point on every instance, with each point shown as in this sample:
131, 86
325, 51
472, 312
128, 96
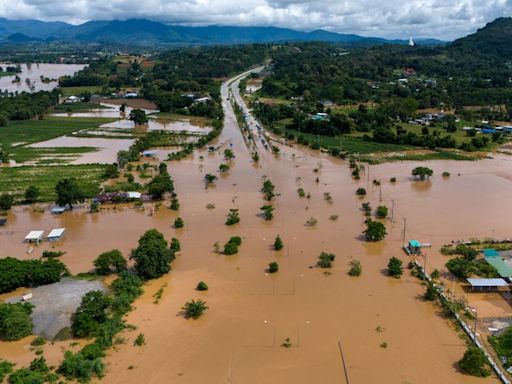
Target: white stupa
411, 42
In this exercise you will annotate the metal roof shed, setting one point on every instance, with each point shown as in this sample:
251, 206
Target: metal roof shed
34, 236
504, 270
56, 234
3, 222
486, 284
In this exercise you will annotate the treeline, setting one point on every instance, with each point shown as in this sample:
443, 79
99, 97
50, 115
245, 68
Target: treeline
439, 76
25, 106
106, 73
183, 75
15, 273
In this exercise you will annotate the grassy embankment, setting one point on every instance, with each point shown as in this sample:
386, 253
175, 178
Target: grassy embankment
15, 180
77, 107
75, 91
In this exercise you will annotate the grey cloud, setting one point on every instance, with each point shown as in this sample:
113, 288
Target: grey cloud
444, 19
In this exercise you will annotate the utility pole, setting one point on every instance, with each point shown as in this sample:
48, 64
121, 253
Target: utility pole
380, 192
425, 264
405, 228
368, 172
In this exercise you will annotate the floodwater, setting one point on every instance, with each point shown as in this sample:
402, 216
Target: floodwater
33, 73
337, 325
112, 111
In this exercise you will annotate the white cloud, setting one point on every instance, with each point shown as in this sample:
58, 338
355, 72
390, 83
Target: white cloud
445, 19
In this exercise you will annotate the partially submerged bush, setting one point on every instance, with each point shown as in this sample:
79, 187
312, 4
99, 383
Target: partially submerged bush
355, 268
325, 260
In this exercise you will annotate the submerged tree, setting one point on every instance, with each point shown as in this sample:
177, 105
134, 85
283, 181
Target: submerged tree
474, 362
194, 308
138, 116
422, 172
68, 193
268, 212
268, 190
395, 268
233, 217
375, 231
152, 256
278, 243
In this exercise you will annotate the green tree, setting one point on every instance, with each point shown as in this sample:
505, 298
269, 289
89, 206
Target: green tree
209, 178
273, 267
90, 314
178, 223
6, 201
109, 262
233, 217
194, 308
32, 194
422, 172
355, 268
138, 116
15, 321
278, 243
202, 286
474, 362
160, 184
431, 292
152, 256
224, 168
175, 204
375, 231
228, 154
268, 190
325, 260
381, 212
68, 193
361, 192
395, 268
175, 245
268, 212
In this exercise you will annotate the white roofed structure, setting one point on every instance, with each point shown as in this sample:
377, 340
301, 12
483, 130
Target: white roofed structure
486, 284
56, 234
34, 236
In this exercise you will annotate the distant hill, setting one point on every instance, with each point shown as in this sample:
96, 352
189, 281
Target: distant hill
17, 38
31, 28
141, 31
493, 40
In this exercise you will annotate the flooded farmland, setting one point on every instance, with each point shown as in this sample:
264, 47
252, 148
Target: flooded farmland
31, 77
335, 323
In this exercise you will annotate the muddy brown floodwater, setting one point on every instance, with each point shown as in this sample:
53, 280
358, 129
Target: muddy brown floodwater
325, 315
30, 76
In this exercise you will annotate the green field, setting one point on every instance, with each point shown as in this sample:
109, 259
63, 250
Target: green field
48, 155
77, 107
15, 180
18, 133
75, 91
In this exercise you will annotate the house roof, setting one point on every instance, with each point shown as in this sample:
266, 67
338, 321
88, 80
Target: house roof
58, 209
490, 253
487, 282
34, 235
58, 232
414, 243
3, 222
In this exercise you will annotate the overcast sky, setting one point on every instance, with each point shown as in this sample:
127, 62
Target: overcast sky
443, 19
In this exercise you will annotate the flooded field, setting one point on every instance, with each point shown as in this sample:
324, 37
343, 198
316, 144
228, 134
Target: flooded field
106, 149
33, 73
337, 324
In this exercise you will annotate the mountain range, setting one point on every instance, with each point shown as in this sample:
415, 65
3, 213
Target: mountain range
142, 31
